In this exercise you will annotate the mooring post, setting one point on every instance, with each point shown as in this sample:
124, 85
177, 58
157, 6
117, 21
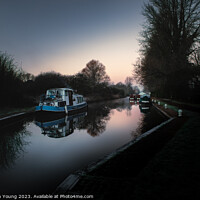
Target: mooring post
180, 113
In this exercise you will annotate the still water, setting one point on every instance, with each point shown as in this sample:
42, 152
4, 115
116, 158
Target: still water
38, 153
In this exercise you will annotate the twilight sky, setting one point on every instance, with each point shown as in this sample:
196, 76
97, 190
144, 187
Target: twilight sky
64, 35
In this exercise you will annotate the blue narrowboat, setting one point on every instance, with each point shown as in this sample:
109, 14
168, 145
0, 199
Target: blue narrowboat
61, 100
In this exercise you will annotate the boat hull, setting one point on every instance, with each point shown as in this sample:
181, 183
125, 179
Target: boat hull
54, 109
145, 102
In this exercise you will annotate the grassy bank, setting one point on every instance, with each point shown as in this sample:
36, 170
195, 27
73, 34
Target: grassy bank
175, 105
174, 172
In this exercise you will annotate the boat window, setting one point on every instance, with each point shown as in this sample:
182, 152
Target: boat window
58, 93
51, 93
79, 99
66, 93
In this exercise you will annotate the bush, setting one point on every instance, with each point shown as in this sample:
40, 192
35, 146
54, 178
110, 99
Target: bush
10, 81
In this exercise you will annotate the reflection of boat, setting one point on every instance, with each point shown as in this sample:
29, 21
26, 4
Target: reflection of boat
59, 126
134, 103
61, 100
144, 108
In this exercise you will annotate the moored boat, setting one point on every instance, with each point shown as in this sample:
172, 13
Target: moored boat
61, 100
145, 99
134, 98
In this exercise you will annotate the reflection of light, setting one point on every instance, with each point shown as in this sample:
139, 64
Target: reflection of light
122, 119
144, 108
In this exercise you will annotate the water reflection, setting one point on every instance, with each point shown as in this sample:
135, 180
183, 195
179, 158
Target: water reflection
12, 143
150, 118
99, 115
144, 108
60, 126
97, 118
38, 164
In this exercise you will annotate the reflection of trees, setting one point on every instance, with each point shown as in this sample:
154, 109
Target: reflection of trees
97, 119
99, 115
120, 104
138, 130
148, 120
12, 143
79, 121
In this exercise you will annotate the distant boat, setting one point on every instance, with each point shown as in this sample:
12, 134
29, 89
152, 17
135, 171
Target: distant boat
61, 100
134, 98
145, 98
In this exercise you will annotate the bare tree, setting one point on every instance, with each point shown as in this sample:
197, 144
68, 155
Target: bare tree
169, 38
95, 72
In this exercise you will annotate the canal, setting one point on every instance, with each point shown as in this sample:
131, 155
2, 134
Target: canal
38, 153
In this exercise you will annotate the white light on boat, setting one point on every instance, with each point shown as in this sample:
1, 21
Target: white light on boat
145, 101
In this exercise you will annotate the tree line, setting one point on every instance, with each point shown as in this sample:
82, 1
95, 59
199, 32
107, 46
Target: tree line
169, 64
19, 88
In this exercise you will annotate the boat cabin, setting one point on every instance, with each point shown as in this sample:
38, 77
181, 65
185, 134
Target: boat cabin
61, 100
62, 94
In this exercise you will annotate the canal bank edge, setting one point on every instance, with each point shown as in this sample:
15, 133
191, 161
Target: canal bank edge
70, 182
13, 117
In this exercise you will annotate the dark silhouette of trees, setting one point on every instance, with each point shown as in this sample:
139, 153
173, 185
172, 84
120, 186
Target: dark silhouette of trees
128, 83
19, 88
15, 84
47, 80
80, 83
92, 81
10, 80
95, 82
124, 89
169, 38
95, 73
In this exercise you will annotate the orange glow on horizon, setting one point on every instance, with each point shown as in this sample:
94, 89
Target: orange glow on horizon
117, 54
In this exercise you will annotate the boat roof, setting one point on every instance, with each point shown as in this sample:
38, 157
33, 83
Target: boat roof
142, 93
60, 89
145, 95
